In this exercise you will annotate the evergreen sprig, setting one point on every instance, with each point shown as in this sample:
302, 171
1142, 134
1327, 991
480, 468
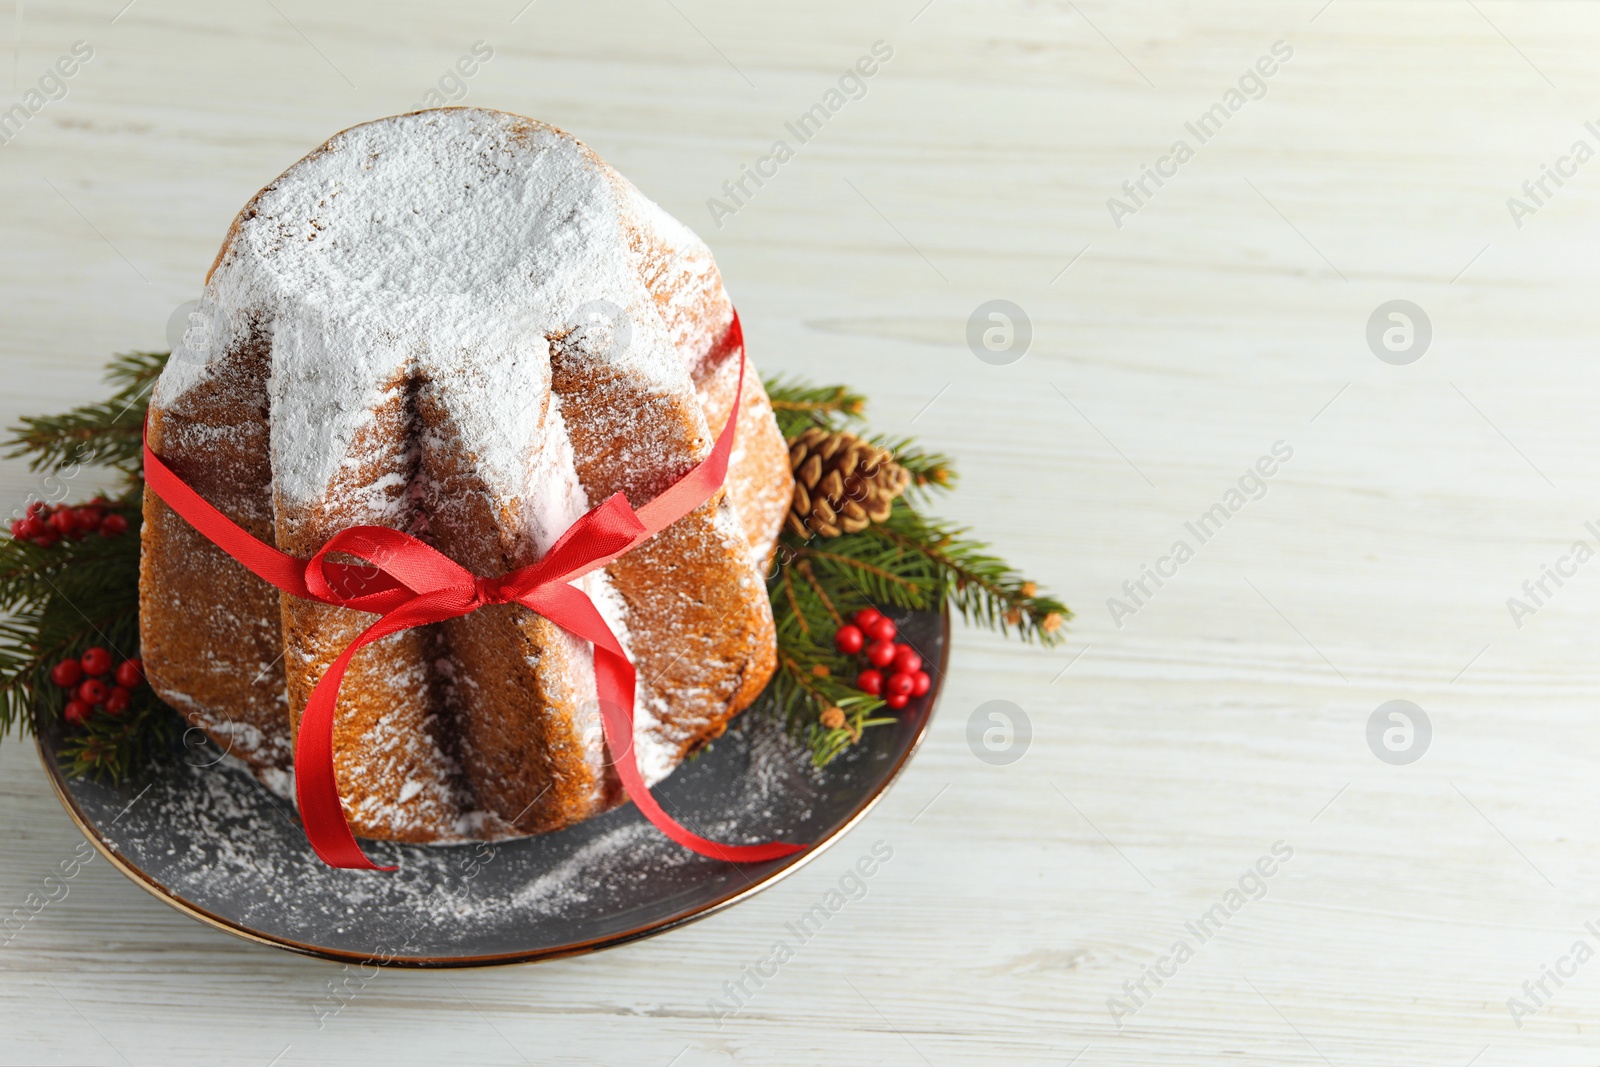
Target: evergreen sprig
930, 471
799, 405
105, 434
908, 561
58, 601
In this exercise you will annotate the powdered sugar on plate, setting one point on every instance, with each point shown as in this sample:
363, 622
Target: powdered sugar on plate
214, 834
205, 834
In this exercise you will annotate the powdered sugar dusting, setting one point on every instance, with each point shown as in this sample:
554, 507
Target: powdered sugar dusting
434, 245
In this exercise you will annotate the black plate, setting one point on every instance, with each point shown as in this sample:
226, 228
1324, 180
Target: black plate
202, 834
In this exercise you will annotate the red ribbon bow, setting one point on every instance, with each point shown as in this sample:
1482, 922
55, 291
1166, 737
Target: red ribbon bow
415, 584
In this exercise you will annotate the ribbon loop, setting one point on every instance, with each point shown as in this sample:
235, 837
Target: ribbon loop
409, 583
417, 566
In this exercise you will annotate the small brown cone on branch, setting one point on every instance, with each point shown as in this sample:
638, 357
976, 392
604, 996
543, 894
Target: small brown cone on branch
842, 484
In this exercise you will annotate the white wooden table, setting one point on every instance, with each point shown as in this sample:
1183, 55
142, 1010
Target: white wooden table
1169, 754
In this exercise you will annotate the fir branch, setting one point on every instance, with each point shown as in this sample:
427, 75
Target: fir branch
116, 748
979, 585
103, 434
929, 470
60, 601
799, 406
800, 694
839, 580
799, 616
908, 562
132, 373
803, 678
804, 567
876, 579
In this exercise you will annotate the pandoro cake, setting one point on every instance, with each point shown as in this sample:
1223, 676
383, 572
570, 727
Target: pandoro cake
464, 325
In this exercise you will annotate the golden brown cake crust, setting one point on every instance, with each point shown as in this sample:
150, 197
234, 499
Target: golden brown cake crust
211, 640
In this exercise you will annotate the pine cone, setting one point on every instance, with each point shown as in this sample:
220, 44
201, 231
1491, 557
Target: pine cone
842, 484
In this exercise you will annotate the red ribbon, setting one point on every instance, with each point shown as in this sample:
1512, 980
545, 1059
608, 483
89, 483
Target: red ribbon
416, 584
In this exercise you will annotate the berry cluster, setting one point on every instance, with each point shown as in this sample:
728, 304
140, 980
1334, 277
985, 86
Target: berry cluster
84, 678
896, 672
44, 525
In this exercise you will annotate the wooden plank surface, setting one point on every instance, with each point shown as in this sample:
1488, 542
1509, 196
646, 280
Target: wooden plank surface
1227, 312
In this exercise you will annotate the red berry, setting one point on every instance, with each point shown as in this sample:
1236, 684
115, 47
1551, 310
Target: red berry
899, 684
88, 517
92, 691
130, 673
923, 683
882, 630
67, 673
35, 508
906, 659
64, 523
117, 700
46, 539
880, 653
870, 682
16, 528
113, 525
849, 640
76, 712
96, 661
867, 616
897, 700
32, 528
